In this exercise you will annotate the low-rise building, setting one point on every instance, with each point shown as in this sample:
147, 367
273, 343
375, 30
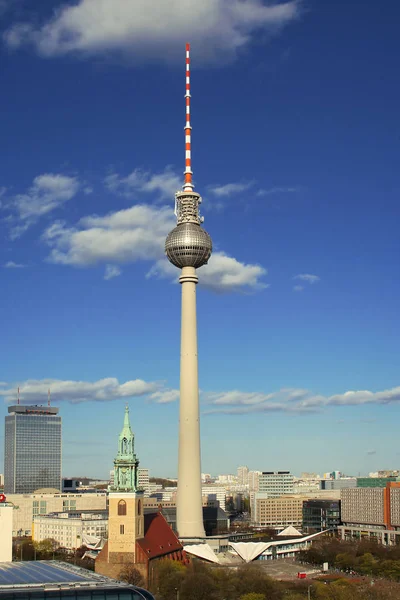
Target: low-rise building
6, 526
68, 528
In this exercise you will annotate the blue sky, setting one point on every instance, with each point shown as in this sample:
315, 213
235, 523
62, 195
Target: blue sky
295, 152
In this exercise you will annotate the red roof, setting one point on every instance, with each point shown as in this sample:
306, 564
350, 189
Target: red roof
159, 539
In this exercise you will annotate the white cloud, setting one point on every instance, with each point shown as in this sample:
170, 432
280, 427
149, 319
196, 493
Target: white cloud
276, 190
223, 273
307, 277
138, 233
103, 390
229, 189
13, 265
293, 400
164, 184
47, 192
146, 30
111, 272
298, 288
164, 396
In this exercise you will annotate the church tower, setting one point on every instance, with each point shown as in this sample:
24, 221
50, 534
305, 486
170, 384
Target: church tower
125, 512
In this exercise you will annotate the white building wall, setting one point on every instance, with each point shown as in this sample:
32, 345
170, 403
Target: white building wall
215, 492
26, 506
144, 481
68, 531
6, 529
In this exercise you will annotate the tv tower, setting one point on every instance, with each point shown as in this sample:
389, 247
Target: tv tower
188, 247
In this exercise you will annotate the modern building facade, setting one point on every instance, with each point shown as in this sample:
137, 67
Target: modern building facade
320, 515
338, 484
276, 483
243, 475
215, 492
277, 513
372, 512
32, 449
188, 247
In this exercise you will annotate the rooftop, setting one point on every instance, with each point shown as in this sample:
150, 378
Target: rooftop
39, 579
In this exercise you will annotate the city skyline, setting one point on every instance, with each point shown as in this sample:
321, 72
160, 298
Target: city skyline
294, 151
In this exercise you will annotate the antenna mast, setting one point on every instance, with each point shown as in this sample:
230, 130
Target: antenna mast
188, 184
48, 397
18, 396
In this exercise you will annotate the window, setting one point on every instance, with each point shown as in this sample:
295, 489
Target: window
121, 508
122, 529
139, 507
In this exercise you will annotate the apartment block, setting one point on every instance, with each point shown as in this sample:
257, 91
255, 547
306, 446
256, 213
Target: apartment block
372, 512
277, 513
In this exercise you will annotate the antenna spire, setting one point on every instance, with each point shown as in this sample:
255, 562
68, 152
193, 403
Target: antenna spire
188, 183
48, 397
18, 396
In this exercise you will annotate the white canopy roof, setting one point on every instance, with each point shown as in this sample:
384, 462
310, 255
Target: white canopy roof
290, 531
250, 550
202, 551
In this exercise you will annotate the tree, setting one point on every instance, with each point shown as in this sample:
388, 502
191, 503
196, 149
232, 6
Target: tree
168, 578
45, 548
130, 574
252, 596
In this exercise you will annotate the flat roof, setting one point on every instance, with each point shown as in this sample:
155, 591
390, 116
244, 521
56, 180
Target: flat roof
36, 409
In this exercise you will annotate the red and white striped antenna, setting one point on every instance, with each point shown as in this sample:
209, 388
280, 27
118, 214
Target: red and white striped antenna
188, 184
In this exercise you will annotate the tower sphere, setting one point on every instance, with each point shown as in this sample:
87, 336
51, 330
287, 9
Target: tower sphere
188, 245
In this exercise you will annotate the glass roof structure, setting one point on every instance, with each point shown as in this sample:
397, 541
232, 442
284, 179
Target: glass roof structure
53, 579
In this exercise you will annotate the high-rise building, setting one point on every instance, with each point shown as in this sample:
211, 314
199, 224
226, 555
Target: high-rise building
276, 483
32, 449
243, 475
144, 481
188, 247
277, 513
254, 480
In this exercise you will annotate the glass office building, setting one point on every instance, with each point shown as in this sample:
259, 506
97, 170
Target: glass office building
32, 453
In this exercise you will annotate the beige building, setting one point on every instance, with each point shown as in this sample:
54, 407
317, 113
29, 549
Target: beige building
27, 506
363, 505
278, 513
6, 525
68, 528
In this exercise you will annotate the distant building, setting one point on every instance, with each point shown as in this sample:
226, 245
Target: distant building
243, 475
277, 513
32, 457
68, 528
205, 477
276, 483
372, 512
144, 481
319, 515
215, 492
70, 485
27, 506
1, 480
375, 481
338, 484
253, 479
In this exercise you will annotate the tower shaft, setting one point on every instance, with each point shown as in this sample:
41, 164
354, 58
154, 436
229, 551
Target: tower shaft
189, 514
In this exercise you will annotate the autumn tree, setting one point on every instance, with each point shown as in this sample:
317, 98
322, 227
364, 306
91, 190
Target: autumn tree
130, 574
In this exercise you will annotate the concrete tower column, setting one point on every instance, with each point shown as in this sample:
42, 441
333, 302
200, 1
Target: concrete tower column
189, 498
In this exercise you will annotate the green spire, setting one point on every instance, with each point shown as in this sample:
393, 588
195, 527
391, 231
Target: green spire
126, 464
